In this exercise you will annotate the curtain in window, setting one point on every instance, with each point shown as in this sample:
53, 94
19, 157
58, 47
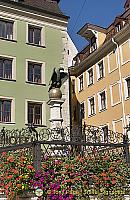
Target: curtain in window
37, 73
1, 68
37, 36
30, 35
5, 111
8, 69
30, 72
35, 113
9, 30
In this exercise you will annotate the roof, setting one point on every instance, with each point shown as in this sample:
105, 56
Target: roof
86, 30
50, 6
44, 6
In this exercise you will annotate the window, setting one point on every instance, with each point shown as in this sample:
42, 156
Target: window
82, 110
118, 27
81, 83
90, 77
105, 133
34, 72
5, 110
5, 68
34, 113
91, 106
93, 45
73, 86
6, 29
34, 35
128, 87
102, 99
100, 70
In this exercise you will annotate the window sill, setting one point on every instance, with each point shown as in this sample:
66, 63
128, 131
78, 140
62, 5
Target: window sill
2, 38
35, 45
100, 78
102, 110
90, 84
36, 125
91, 115
5, 79
80, 90
35, 83
127, 98
8, 123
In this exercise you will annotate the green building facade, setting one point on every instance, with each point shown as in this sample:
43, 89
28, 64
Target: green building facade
33, 36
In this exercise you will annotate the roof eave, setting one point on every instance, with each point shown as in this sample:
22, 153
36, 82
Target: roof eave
102, 51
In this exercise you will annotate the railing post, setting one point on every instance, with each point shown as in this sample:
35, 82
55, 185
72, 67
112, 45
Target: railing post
37, 155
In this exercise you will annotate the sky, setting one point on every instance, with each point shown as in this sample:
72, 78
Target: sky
98, 12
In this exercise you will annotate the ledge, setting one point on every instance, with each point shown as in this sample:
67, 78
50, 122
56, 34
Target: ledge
6, 39
36, 125
5, 79
35, 45
35, 83
8, 123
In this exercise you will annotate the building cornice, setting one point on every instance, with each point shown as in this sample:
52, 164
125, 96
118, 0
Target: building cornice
101, 52
26, 11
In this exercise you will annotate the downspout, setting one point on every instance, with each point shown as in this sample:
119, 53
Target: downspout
121, 86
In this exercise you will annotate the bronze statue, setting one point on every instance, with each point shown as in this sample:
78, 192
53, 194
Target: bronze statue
58, 78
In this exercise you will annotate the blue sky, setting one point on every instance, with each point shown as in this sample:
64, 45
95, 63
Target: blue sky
98, 12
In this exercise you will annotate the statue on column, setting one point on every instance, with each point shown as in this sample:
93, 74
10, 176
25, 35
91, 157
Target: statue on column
58, 78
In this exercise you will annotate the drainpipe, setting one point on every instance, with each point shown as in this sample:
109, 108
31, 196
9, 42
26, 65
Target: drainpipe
121, 85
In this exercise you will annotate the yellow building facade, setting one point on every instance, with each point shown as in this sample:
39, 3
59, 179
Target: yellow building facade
100, 76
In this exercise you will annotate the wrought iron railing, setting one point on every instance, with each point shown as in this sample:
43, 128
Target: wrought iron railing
85, 133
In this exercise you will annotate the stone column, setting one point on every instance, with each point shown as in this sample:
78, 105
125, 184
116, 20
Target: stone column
55, 102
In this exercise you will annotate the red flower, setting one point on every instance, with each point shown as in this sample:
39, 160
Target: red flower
113, 181
106, 158
106, 178
3, 153
44, 165
9, 177
103, 174
30, 167
66, 166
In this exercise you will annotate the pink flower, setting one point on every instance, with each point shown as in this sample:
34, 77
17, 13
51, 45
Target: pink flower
3, 153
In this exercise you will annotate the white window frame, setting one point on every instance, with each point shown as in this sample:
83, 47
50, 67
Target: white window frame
101, 126
121, 52
79, 89
89, 84
114, 122
13, 66
89, 107
125, 87
43, 110
128, 119
111, 94
108, 58
97, 67
12, 99
14, 36
99, 100
83, 102
42, 71
42, 33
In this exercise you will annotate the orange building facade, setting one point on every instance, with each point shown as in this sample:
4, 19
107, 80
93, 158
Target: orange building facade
100, 76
